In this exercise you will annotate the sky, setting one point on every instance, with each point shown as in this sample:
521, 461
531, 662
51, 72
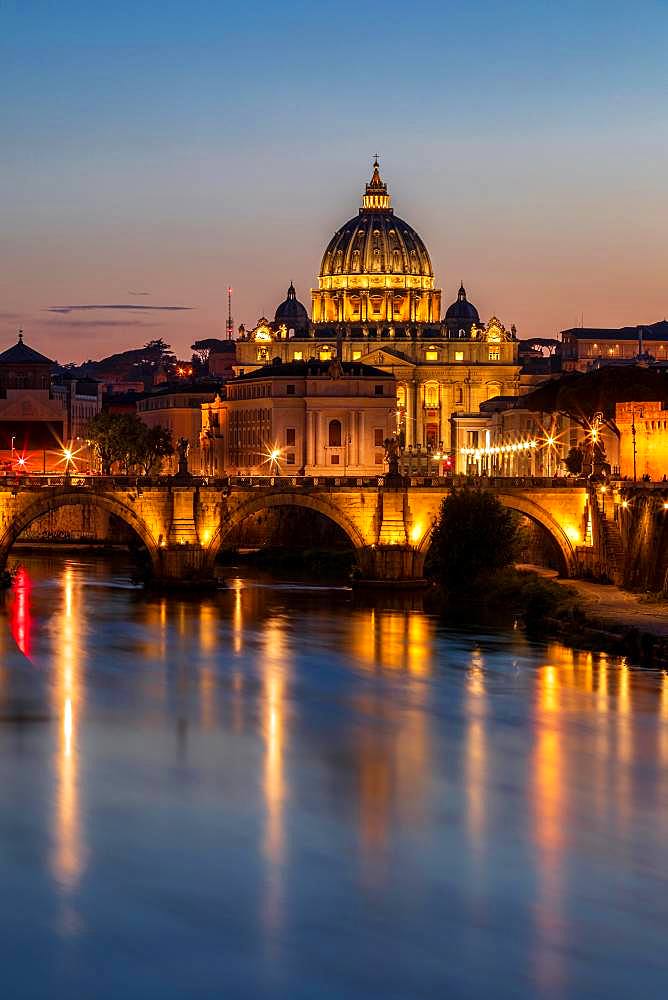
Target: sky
153, 153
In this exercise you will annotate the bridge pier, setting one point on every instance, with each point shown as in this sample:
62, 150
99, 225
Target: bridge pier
390, 565
183, 567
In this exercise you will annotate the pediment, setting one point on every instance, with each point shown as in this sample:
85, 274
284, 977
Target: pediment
382, 356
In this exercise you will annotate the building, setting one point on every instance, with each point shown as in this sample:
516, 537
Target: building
177, 406
306, 417
643, 443
82, 398
583, 347
376, 302
33, 418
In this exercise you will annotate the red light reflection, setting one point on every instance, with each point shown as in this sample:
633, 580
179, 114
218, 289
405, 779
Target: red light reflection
21, 618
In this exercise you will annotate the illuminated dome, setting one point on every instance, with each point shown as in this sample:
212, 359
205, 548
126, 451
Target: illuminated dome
292, 313
376, 253
376, 241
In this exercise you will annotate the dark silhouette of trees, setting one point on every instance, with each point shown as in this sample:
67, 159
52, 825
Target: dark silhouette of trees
475, 535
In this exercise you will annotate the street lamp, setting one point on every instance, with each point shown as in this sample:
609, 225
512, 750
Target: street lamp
68, 455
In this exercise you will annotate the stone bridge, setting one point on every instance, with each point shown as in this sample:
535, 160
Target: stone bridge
184, 524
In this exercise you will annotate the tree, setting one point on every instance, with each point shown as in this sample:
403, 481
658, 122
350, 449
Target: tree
475, 534
125, 439
150, 446
581, 396
105, 433
202, 348
574, 461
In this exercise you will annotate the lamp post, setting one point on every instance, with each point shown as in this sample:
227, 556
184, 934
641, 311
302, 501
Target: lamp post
13, 440
633, 438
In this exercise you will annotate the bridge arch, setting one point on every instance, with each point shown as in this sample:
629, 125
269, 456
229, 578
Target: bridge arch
539, 515
44, 504
271, 500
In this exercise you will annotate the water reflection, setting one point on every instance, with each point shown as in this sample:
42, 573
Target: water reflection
67, 633
481, 800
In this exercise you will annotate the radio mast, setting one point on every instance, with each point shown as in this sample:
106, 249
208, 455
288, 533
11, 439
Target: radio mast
230, 322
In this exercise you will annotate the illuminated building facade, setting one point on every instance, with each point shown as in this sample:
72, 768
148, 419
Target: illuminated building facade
643, 428
306, 418
376, 302
584, 347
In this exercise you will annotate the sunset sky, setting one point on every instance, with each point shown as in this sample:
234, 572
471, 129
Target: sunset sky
152, 153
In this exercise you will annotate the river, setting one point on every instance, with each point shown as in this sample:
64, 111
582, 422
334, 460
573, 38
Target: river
278, 792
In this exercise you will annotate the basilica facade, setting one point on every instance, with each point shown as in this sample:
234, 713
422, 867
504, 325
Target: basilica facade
376, 302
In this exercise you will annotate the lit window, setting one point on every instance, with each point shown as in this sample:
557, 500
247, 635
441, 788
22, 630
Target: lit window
431, 395
494, 354
299, 356
459, 355
326, 353
357, 355
401, 397
431, 354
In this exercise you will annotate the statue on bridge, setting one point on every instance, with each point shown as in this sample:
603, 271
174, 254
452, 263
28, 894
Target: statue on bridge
392, 459
182, 449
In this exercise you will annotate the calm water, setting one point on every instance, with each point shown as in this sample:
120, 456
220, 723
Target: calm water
276, 793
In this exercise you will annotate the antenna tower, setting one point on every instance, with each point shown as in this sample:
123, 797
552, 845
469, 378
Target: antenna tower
230, 322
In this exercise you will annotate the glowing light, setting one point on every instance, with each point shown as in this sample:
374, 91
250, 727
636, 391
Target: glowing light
665, 505
604, 489
573, 534
625, 504
68, 455
206, 537
500, 449
416, 533
21, 461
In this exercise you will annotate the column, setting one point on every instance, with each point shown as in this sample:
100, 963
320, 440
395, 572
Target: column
320, 456
356, 436
308, 434
362, 441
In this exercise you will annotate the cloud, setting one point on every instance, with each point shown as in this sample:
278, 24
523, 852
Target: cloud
139, 293
90, 324
7, 315
68, 309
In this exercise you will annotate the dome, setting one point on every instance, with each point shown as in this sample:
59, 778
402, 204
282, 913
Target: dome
292, 313
376, 241
462, 311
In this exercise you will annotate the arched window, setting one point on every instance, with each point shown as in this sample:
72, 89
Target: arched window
335, 434
431, 395
401, 397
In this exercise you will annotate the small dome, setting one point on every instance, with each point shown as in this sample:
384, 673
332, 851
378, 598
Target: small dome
462, 310
292, 312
